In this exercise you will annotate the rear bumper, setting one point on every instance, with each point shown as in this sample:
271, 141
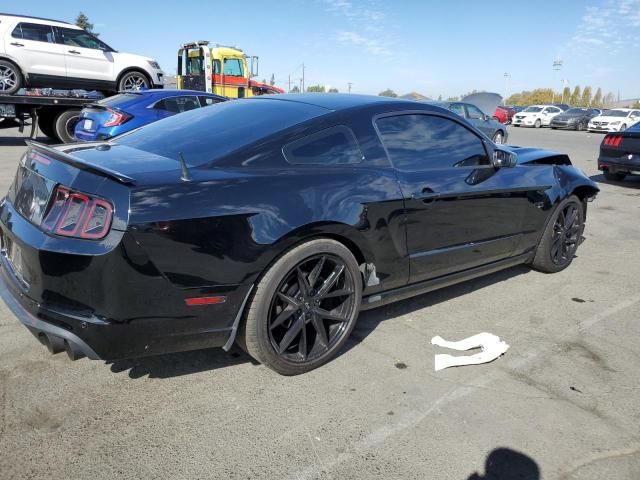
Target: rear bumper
622, 164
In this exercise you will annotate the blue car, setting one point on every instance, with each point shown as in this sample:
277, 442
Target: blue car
132, 109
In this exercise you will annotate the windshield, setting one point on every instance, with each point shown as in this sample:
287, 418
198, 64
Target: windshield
616, 113
205, 134
533, 109
577, 111
119, 99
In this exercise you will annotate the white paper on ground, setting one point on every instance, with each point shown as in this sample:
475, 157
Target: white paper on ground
491, 345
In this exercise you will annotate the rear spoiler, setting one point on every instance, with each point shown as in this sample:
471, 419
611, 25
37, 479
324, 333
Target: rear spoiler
79, 163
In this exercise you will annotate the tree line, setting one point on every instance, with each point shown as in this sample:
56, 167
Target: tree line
576, 98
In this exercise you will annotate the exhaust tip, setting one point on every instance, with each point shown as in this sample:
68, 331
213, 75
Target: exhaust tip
73, 352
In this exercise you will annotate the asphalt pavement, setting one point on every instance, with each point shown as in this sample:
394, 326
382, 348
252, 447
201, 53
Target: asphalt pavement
562, 403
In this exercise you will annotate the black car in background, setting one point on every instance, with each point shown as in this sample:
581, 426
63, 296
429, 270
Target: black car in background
620, 154
488, 125
271, 221
574, 118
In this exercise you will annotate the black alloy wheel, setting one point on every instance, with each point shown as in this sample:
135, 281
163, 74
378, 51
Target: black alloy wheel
566, 234
561, 237
311, 309
304, 308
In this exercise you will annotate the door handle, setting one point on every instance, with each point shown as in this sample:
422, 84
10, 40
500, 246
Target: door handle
75, 52
16, 44
426, 196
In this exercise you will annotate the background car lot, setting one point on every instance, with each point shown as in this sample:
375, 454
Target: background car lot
565, 394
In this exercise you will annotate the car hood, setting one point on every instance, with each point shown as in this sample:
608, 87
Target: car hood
605, 118
570, 116
485, 101
528, 114
529, 154
132, 58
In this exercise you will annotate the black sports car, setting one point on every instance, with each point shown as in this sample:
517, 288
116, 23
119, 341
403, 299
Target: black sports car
620, 154
272, 222
574, 118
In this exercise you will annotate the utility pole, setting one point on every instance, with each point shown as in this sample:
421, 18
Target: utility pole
303, 78
289, 91
565, 82
557, 66
349, 87
506, 83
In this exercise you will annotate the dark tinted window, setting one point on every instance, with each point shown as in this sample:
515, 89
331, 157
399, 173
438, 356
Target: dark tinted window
205, 134
177, 104
421, 142
457, 108
333, 146
80, 38
204, 100
33, 31
120, 99
474, 112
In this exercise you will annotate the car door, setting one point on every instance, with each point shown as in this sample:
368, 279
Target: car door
548, 113
479, 120
87, 58
461, 212
34, 48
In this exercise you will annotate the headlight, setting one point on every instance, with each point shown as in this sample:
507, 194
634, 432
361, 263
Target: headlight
615, 123
154, 64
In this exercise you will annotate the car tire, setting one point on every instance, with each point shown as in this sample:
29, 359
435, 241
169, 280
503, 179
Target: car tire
133, 80
46, 124
11, 79
281, 329
623, 127
561, 237
498, 137
614, 176
579, 126
538, 123
64, 125
554, 128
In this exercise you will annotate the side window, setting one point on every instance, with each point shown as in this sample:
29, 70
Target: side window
474, 112
194, 66
332, 146
33, 31
635, 113
233, 66
206, 101
423, 142
177, 104
457, 108
80, 38
216, 67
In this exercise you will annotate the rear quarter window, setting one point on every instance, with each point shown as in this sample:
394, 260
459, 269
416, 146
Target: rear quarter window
332, 146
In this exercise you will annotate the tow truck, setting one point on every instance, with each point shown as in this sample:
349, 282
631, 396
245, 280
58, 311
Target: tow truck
221, 69
54, 112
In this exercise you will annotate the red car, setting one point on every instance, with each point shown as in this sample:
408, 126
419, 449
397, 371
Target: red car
504, 114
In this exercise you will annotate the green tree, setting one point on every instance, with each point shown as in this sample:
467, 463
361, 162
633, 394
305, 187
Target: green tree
388, 93
295, 89
575, 96
585, 100
334, 90
316, 89
272, 82
597, 98
439, 98
83, 22
453, 99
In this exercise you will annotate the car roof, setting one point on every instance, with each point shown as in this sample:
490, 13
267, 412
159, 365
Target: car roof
336, 101
41, 19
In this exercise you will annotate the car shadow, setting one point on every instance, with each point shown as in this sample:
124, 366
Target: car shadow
631, 181
182, 363
370, 319
507, 464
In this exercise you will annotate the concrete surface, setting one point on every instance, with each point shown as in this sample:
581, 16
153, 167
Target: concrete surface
562, 403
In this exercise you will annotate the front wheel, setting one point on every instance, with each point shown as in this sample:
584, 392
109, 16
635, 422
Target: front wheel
10, 78
538, 123
623, 127
561, 237
304, 308
498, 137
580, 126
133, 81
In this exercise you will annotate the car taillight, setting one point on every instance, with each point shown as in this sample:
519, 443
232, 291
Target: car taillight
116, 118
74, 214
612, 140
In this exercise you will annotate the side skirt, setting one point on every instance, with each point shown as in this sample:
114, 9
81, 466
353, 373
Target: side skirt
408, 291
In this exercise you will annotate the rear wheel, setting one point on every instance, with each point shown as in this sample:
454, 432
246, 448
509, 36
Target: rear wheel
10, 78
64, 125
561, 237
304, 308
614, 176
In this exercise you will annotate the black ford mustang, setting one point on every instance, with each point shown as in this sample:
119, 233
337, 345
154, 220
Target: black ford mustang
271, 222
620, 154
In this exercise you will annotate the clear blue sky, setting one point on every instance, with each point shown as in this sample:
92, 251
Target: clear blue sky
433, 47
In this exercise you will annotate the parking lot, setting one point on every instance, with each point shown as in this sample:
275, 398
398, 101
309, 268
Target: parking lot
561, 403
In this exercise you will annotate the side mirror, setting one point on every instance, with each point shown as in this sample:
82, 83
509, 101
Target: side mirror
503, 158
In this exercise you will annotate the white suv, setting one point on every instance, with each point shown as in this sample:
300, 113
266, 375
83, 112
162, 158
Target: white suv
36, 52
536, 116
